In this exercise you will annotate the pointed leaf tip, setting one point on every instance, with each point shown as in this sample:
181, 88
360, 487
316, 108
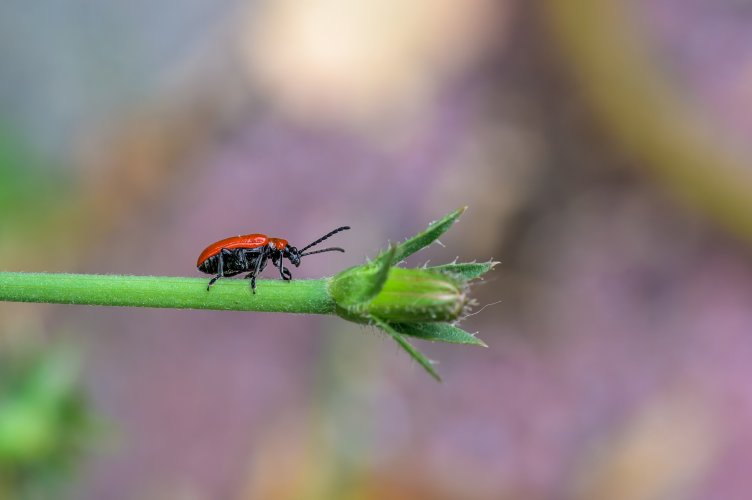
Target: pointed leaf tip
466, 271
425, 238
412, 351
438, 332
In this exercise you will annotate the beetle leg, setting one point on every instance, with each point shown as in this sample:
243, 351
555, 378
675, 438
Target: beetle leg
283, 271
260, 264
251, 259
220, 268
252, 265
254, 272
211, 282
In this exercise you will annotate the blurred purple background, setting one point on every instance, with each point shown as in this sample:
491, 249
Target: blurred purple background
603, 149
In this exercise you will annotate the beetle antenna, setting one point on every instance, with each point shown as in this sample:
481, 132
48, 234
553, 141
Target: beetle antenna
343, 228
332, 249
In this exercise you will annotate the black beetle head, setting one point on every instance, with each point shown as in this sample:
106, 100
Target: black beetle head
293, 255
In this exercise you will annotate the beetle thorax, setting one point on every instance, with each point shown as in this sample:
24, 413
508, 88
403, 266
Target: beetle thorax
278, 244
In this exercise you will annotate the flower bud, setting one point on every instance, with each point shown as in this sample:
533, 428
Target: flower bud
407, 295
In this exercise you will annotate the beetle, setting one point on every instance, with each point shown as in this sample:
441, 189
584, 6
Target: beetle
249, 253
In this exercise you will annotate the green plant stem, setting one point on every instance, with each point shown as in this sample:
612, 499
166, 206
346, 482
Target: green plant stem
296, 296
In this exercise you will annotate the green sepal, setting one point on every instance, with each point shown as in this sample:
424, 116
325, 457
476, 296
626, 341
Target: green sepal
412, 351
422, 240
438, 332
355, 287
465, 271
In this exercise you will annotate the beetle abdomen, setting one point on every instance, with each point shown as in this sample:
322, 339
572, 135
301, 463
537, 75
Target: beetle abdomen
234, 262
210, 265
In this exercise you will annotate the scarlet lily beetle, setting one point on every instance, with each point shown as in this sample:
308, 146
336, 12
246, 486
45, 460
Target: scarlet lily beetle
249, 253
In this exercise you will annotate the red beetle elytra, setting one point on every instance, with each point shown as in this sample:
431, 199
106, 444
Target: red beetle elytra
249, 253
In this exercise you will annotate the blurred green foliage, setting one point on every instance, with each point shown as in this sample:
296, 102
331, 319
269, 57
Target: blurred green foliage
45, 422
30, 186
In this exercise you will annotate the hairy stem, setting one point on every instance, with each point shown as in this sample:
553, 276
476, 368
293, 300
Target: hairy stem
296, 296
